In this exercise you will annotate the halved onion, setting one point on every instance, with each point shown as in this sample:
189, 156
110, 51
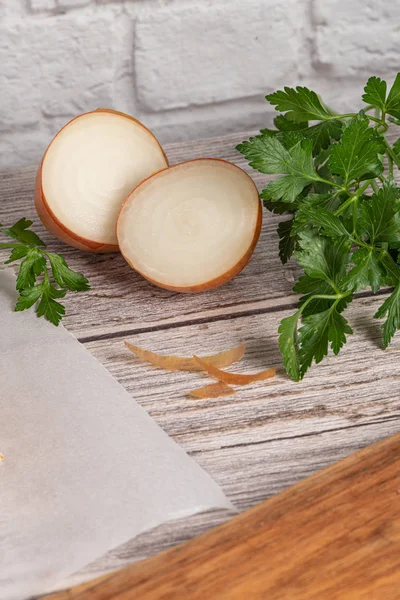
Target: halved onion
214, 390
181, 363
192, 227
234, 378
88, 170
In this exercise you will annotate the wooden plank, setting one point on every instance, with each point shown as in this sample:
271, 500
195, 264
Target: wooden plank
334, 536
120, 300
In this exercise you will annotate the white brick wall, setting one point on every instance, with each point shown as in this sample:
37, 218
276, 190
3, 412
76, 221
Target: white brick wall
55, 66
186, 68
200, 54
357, 37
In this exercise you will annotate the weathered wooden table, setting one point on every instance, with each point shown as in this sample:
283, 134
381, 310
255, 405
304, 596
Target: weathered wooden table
271, 434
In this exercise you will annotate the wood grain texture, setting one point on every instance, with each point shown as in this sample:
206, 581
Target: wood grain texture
269, 435
334, 536
351, 391
122, 300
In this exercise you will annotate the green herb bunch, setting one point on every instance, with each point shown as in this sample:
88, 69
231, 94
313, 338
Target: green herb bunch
344, 212
54, 282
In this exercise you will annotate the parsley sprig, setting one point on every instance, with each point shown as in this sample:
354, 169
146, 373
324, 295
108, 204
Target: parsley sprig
54, 281
337, 187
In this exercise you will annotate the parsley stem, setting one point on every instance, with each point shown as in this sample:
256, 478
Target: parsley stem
390, 162
376, 120
354, 197
343, 206
345, 116
337, 297
352, 115
380, 121
356, 240
391, 155
333, 183
374, 186
355, 212
334, 286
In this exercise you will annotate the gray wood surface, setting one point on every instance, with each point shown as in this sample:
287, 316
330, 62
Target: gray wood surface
270, 434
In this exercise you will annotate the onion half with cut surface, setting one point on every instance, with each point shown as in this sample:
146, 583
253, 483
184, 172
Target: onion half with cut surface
191, 227
88, 170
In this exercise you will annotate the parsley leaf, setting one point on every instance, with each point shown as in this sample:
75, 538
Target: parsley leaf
44, 294
393, 99
396, 148
28, 297
320, 217
269, 155
288, 344
265, 154
312, 289
328, 201
320, 134
17, 253
19, 231
33, 265
48, 307
65, 277
392, 269
300, 104
379, 216
282, 123
375, 92
368, 270
279, 208
298, 166
287, 242
324, 264
317, 331
300, 347
391, 308
356, 155
323, 259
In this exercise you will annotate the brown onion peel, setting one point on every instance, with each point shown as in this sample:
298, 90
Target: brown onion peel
234, 378
214, 390
180, 363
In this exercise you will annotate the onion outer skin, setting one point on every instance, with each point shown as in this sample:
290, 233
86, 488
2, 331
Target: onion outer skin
52, 223
224, 277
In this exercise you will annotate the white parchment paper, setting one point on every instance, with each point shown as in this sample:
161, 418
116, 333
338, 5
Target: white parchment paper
85, 467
